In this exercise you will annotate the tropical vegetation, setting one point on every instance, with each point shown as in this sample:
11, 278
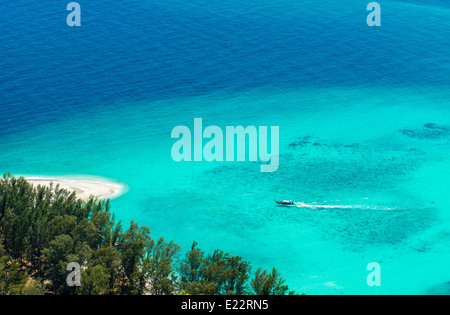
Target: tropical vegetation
44, 229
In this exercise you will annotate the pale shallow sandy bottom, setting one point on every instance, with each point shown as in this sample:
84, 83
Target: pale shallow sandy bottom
84, 187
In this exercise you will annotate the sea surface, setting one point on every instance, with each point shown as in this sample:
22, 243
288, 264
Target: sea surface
363, 112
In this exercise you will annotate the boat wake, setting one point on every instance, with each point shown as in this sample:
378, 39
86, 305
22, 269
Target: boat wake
326, 206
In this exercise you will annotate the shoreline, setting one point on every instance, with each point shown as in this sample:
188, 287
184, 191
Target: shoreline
84, 187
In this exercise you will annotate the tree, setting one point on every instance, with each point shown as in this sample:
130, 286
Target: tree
133, 245
265, 283
12, 277
110, 258
56, 258
229, 273
190, 270
217, 273
94, 281
158, 266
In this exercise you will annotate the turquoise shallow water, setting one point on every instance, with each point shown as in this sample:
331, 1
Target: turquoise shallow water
375, 163
363, 116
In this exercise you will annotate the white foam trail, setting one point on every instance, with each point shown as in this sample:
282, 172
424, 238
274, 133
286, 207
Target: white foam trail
322, 206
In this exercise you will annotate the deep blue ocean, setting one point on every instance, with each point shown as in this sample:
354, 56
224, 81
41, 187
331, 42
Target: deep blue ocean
364, 117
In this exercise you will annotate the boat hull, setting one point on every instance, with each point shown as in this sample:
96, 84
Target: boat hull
284, 203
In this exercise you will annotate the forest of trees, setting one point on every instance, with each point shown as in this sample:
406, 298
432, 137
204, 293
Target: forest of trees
43, 229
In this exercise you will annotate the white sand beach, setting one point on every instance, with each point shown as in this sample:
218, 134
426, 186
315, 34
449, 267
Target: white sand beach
84, 187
